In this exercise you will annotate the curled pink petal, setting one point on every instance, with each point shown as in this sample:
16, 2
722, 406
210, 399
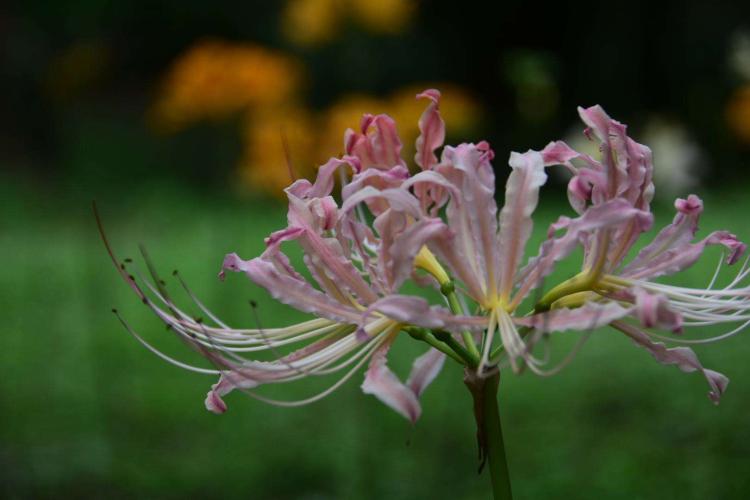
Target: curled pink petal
626, 163
653, 311
558, 153
587, 317
382, 383
377, 145
274, 241
226, 384
730, 242
410, 310
424, 370
691, 206
683, 357
581, 187
326, 212
432, 131
324, 180
377, 179
214, 403
597, 121
232, 262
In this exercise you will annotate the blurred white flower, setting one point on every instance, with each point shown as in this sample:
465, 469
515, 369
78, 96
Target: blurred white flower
679, 161
739, 53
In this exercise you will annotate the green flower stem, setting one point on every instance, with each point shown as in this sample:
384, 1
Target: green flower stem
449, 290
493, 436
471, 360
426, 336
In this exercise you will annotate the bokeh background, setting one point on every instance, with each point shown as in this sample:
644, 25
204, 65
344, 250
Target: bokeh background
179, 118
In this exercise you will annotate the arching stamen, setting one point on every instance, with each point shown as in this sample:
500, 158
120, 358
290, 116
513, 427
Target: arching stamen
160, 354
232, 336
279, 358
125, 276
197, 302
709, 340
321, 395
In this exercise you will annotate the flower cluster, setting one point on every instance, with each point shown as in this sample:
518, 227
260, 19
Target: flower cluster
368, 224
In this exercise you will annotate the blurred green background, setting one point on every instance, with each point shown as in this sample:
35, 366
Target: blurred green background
170, 115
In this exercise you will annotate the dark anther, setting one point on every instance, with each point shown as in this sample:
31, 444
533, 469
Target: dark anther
128, 260
175, 272
253, 304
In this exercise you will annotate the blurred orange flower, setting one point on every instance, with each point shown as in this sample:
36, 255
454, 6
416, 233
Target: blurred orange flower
738, 113
214, 79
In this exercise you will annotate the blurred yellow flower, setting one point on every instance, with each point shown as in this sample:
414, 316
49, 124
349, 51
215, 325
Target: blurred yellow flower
313, 22
383, 16
214, 79
279, 144
738, 113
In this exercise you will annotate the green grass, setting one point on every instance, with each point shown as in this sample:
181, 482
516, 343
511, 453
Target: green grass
88, 412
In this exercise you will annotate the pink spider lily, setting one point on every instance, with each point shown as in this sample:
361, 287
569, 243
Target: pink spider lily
441, 226
624, 176
357, 270
484, 251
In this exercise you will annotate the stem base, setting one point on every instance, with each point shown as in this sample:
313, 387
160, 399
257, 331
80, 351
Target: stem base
489, 431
